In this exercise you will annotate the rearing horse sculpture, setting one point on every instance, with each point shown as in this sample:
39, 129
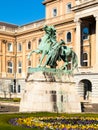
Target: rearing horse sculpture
45, 43
55, 51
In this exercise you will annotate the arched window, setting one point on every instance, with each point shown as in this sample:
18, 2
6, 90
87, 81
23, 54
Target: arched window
39, 41
69, 66
85, 33
10, 47
29, 45
29, 64
85, 89
68, 37
10, 67
19, 47
19, 67
54, 12
68, 7
85, 59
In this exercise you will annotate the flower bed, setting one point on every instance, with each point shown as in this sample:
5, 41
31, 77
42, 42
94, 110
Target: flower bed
60, 123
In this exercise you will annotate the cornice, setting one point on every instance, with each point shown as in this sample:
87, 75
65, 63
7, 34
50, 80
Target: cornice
85, 5
47, 1
8, 24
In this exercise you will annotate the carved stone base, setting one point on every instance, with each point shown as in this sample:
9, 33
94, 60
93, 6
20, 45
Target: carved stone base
41, 94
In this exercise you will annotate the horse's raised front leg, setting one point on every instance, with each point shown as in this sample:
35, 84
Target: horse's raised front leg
29, 55
36, 51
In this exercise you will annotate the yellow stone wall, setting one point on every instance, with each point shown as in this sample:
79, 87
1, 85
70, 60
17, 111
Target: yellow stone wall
63, 23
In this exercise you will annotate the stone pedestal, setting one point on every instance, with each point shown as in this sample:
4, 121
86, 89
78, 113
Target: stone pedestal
42, 94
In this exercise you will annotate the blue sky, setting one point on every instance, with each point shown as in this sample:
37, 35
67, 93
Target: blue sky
21, 12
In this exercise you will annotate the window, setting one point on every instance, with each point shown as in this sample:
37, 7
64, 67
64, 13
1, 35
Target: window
68, 8
61, 98
11, 89
53, 98
19, 47
29, 64
68, 37
29, 45
85, 59
19, 67
10, 48
10, 67
85, 33
69, 66
19, 89
14, 89
54, 12
39, 41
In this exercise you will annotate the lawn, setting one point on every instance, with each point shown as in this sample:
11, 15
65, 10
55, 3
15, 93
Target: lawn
5, 118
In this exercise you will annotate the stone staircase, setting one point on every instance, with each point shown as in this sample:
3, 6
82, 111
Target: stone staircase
89, 107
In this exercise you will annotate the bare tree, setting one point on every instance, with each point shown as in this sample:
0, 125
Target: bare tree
4, 88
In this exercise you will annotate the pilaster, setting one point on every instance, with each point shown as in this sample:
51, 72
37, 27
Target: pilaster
78, 40
3, 58
96, 57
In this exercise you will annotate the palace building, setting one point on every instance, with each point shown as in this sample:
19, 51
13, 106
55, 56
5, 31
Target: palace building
76, 22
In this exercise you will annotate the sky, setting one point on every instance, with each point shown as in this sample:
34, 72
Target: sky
20, 12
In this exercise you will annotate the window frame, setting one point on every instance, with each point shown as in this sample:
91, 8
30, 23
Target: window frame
19, 88
85, 35
10, 47
29, 65
85, 60
69, 66
68, 10
19, 50
67, 38
29, 42
19, 67
9, 68
54, 14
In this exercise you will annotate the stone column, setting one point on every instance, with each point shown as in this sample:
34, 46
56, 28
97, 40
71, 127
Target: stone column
96, 41
78, 40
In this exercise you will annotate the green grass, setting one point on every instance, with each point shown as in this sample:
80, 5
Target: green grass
5, 125
10, 99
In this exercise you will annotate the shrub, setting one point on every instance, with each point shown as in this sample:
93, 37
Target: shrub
16, 99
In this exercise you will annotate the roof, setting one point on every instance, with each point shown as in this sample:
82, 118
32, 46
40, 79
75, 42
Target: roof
8, 24
47, 1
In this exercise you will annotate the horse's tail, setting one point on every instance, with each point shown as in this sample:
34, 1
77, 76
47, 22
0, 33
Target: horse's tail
74, 60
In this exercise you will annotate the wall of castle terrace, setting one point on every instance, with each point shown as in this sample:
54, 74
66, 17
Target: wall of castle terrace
14, 29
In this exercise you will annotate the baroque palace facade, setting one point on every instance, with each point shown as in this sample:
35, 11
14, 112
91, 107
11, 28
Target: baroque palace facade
76, 22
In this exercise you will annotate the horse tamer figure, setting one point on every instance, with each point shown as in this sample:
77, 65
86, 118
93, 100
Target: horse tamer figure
54, 51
